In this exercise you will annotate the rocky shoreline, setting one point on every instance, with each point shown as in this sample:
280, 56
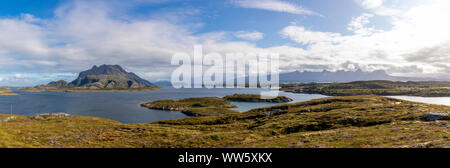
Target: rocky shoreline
256, 98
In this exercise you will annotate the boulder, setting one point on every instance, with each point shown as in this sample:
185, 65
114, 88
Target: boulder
435, 116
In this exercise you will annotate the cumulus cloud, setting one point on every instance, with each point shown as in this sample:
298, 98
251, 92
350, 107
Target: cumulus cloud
358, 25
274, 5
301, 35
418, 39
370, 4
19, 76
251, 36
379, 7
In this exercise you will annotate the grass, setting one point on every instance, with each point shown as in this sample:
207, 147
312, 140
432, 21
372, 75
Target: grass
256, 98
385, 88
347, 122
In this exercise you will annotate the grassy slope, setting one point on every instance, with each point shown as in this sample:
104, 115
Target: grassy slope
357, 121
428, 89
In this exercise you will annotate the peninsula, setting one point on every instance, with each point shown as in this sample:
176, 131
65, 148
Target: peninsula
206, 106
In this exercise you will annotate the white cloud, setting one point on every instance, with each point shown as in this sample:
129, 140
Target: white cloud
370, 4
251, 36
29, 18
419, 37
83, 34
379, 8
302, 35
19, 76
274, 5
358, 25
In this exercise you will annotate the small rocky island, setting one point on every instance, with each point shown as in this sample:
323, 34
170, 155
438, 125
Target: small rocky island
195, 107
256, 98
99, 78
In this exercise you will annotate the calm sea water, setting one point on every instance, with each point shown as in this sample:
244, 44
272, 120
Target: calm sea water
121, 106
429, 100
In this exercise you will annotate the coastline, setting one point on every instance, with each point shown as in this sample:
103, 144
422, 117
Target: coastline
89, 90
6, 91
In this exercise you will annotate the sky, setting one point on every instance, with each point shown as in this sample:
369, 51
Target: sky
41, 41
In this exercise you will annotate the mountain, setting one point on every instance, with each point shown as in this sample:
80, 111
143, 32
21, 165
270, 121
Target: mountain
342, 76
163, 83
102, 77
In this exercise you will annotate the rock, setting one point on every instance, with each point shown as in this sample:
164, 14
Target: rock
435, 116
8, 119
256, 98
49, 116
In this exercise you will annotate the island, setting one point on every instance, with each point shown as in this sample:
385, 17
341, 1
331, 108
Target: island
104, 78
367, 121
256, 98
6, 91
205, 106
382, 88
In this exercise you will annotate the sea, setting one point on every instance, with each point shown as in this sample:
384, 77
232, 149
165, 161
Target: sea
123, 106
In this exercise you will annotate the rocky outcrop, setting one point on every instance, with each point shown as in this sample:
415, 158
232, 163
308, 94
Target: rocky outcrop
436, 116
54, 85
165, 108
256, 98
50, 116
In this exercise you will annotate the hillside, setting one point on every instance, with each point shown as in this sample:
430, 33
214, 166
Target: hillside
350, 122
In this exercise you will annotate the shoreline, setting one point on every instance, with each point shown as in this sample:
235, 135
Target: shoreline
6, 91
36, 90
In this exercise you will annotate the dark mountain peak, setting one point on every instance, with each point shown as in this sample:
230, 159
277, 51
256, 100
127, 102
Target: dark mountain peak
104, 70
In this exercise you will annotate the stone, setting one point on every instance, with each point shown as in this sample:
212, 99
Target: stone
435, 116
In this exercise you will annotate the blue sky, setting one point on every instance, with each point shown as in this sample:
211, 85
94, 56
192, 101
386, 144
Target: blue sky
49, 40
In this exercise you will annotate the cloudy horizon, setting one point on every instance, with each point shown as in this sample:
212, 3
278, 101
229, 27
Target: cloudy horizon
56, 39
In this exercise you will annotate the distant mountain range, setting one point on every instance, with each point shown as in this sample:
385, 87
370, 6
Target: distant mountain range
102, 77
328, 76
343, 76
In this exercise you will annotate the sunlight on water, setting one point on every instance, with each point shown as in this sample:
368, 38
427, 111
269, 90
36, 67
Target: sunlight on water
429, 100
